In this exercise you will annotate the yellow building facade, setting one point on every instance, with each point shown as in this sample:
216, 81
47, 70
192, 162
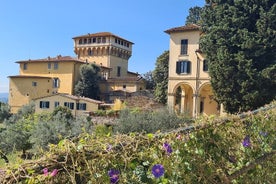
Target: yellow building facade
43, 77
189, 88
77, 105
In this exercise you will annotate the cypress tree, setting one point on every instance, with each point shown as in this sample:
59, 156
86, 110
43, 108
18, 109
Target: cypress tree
240, 43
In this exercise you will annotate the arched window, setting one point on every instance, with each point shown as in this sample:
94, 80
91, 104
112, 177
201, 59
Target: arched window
90, 52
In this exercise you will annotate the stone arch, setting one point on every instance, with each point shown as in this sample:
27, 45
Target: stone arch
183, 98
207, 104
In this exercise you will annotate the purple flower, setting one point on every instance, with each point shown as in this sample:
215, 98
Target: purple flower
109, 147
167, 147
246, 141
158, 170
45, 171
114, 176
54, 172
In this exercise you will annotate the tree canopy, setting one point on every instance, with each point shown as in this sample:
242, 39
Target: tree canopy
88, 85
240, 44
194, 16
150, 83
160, 77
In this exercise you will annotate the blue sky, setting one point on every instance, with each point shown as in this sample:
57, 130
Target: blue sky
34, 29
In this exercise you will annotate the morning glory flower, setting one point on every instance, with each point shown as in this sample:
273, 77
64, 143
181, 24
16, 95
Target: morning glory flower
167, 147
158, 170
246, 141
114, 176
45, 171
54, 172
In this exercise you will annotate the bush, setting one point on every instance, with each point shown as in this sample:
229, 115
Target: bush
4, 112
220, 151
148, 121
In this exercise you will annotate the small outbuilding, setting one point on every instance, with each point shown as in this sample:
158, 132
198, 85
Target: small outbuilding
78, 105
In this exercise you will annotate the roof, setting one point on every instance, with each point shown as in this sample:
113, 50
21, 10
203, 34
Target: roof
73, 97
189, 27
101, 34
29, 76
125, 79
59, 58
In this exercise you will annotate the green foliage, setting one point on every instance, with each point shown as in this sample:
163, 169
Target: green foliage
88, 85
148, 122
160, 77
4, 112
63, 111
239, 42
150, 83
212, 153
194, 16
16, 135
58, 127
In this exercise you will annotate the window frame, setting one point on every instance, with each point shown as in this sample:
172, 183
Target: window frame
70, 105
55, 65
184, 47
81, 106
183, 67
56, 83
34, 83
118, 71
205, 67
44, 104
25, 66
56, 104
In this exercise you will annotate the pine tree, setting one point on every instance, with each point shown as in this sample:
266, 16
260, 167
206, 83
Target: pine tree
240, 43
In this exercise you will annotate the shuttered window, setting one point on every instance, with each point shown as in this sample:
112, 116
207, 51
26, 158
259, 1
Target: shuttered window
183, 67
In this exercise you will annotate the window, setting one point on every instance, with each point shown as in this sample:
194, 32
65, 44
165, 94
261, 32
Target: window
56, 82
70, 105
184, 47
81, 106
55, 65
183, 67
103, 39
80, 41
94, 40
56, 104
85, 41
90, 52
44, 104
205, 65
25, 66
118, 71
124, 86
49, 66
89, 40
34, 83
99, 40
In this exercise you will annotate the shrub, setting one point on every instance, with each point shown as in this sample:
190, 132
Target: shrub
148, 121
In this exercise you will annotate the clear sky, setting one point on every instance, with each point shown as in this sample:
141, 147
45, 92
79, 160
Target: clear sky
35, 29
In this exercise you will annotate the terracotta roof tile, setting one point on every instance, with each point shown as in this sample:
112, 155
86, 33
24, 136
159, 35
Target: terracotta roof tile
101, 34
189, 27
73, 97
29, 76
53, 59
